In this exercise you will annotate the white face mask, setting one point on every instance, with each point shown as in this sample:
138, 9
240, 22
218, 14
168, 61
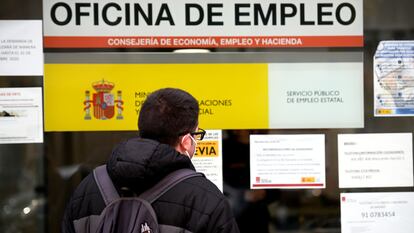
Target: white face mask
195, 146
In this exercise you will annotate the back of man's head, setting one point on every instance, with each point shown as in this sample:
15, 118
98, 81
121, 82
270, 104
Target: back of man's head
167, 114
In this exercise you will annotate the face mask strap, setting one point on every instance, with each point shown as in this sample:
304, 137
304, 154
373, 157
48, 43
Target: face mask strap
195, 145
193, 139
186, 152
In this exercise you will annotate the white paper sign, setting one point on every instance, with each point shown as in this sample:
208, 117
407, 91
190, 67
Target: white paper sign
375, 160
287, 161
21, 48
377, 212
331, 92
21, 117
208, 158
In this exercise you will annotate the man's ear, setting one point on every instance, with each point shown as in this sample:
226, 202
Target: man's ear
184, 144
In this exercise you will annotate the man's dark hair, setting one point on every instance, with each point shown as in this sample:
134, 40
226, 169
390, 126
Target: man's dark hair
167, 114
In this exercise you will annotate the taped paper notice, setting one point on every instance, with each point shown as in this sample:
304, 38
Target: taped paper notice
375, 160
21, 47
287, 161
377, 212
21, 116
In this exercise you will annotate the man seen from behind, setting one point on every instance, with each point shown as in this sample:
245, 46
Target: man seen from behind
168, 135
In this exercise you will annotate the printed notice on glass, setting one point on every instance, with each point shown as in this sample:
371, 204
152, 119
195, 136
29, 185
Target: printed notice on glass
394, 79
21, 117
377, 212
287, 161
375, 160
208, 157
21, 48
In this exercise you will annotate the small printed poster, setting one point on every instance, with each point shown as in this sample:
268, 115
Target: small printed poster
208, 158
394, 79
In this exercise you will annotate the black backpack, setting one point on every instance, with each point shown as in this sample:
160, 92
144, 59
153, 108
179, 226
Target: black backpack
131, 214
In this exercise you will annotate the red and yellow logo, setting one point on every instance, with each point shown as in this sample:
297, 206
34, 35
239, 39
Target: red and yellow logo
103, 102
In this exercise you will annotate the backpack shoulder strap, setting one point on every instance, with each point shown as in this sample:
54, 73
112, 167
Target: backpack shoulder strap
167, 183
105, 185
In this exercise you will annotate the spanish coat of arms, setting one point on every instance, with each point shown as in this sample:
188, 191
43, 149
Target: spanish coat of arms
103, 102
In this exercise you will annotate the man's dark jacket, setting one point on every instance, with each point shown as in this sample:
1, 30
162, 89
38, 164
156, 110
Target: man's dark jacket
193, 205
